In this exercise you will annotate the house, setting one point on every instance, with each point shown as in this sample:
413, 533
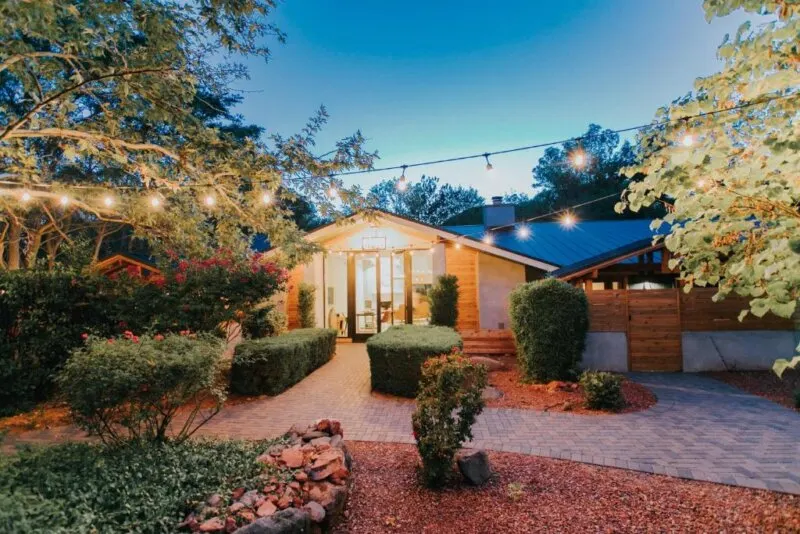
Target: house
140, 265
376, 272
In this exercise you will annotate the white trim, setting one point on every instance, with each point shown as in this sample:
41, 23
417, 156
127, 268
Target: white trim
317, 235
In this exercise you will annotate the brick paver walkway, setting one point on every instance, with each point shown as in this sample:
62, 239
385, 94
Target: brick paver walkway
700, 429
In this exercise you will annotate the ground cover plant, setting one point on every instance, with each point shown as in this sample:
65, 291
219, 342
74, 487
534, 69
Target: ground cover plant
602, 391
143, 488
272, 365
396, 355
550, 319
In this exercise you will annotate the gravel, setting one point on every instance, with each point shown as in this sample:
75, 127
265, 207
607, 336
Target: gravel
517, 394
533, 494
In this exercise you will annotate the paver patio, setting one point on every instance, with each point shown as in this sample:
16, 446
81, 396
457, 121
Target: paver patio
699, 429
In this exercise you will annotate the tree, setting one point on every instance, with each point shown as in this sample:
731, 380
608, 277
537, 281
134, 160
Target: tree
733, 177
115, 113
425, 201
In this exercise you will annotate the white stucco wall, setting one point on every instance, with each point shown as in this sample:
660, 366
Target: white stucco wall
496, 279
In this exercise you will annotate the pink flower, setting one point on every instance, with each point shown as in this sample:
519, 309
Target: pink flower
180, 278
128, 334
84, 336
158, 337
111, 341
135, 339
183, 265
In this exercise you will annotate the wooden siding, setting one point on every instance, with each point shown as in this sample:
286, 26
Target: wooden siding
488, 342
292, 315
463, 263
700, 313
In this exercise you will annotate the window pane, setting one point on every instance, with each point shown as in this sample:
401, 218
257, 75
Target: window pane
421, 283
336, 293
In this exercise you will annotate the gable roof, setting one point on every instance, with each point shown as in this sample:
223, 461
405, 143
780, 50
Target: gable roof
552, 243
496, 249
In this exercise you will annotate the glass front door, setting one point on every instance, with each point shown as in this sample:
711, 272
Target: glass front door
367, 294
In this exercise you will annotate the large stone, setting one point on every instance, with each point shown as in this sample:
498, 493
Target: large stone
326, 464
474, 465
316, 511
293, 458
490, 363
212, 525
314, 434
250, 498
289, 521
266, 509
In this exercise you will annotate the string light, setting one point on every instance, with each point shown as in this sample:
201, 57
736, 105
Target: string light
568, 220
523, 232
431, 250
688, 140
402, 183
108, 201
210, 200
64, 200
25, 196
458, 246
488, 239
578, 159
155, 202
701, 183
266, 198
333, 193
489, 166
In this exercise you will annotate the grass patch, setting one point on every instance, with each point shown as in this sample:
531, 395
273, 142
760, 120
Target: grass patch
133, 488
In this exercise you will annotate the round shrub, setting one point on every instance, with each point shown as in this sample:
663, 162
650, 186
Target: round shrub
602, 391
448, 402
443, 298
264, 322
132, 387
305, 305
550, 319
397, 354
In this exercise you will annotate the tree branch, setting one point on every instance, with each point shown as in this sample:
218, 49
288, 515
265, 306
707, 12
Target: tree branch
19, 57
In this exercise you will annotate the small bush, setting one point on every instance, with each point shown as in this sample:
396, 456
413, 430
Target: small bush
550, 320
443, 298
305, 305
265, 322
272, 365
602, 391
132, 388
396, 355
143, 488
448, 402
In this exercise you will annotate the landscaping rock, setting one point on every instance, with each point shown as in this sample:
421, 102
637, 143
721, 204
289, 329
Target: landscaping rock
289, 521
474, 465
266, 509
293, 458
316, 511
212, 525
308, 436
491, 393
490, 363
215, 500
250, 498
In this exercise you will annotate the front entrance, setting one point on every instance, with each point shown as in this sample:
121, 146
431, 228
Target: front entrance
367, 292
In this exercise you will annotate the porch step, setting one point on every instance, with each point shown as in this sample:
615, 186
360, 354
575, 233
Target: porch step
488, 342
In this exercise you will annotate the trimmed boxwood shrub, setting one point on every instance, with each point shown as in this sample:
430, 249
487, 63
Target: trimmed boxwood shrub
396, 355
602, 391
550, 319
272, 365
305, 305
443, 298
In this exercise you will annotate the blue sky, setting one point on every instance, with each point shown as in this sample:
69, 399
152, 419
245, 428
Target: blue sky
431, 79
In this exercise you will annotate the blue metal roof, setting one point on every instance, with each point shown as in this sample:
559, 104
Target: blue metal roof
555, 244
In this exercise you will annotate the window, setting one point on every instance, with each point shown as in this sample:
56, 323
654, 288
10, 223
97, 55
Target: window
421, 283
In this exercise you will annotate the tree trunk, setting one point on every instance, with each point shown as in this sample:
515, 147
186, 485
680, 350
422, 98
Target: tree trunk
14, 241
98, 242
52, 245
34, 244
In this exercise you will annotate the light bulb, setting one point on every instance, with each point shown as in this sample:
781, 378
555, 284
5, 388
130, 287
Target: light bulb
108, 201
578, 159
431, 250
210, 200
688, 140
64, 200
266, 198
155, 202
25, 196
458, 246
568, 220
488, 239
489, 166
402, 185
523, 232
333, 193
701, 183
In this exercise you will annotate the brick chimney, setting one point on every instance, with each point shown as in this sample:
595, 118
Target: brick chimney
498, 214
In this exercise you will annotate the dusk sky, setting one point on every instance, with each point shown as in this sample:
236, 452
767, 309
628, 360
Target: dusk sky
426, 80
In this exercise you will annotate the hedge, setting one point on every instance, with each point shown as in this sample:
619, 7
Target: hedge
396, 355
550, 319
272, 365
443, 298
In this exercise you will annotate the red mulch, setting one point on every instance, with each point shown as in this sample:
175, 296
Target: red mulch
556, 496
764, 384
517, 394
